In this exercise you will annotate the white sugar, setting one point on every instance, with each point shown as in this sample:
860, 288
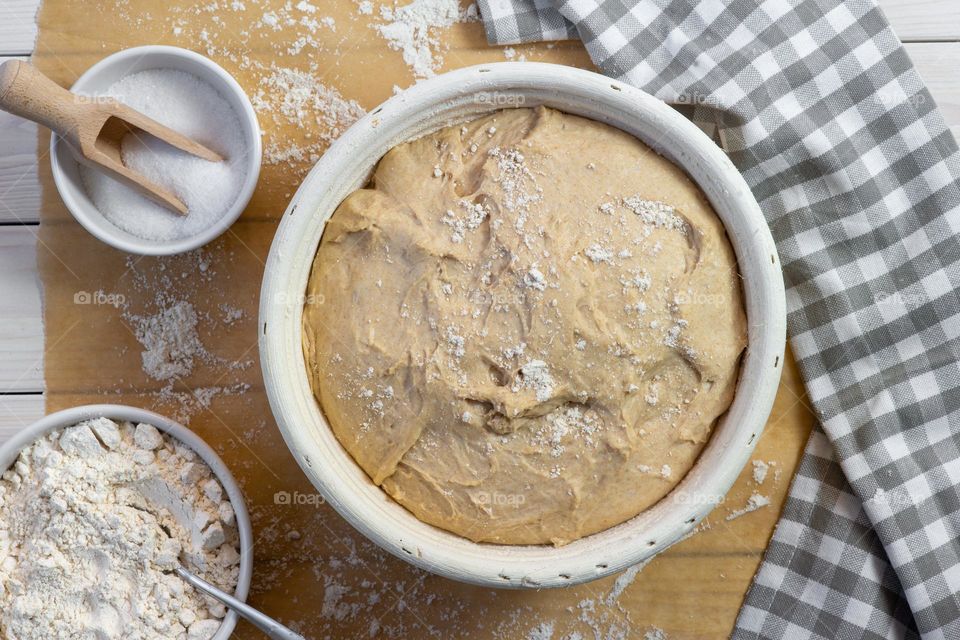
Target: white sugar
193, 107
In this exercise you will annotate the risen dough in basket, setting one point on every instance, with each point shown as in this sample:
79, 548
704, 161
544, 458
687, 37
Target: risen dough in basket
525, 328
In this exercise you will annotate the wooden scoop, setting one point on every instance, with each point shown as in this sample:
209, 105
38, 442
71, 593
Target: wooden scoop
93, 126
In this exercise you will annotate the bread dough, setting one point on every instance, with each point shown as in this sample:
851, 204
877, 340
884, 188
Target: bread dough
524, 328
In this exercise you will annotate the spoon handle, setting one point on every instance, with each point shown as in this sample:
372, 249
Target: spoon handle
273, 629
28, 93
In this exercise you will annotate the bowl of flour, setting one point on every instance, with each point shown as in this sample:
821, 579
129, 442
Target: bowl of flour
98, 504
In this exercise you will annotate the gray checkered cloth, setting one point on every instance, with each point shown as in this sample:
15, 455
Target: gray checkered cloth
821, 109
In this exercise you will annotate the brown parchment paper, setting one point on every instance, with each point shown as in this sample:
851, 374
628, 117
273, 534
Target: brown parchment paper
312, 570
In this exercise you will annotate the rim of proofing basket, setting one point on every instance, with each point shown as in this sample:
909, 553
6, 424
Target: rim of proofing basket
456, 97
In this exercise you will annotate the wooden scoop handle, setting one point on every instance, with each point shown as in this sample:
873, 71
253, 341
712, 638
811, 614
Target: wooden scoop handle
26, 92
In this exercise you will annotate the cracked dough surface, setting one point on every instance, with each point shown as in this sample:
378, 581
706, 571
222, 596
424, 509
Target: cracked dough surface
524, 328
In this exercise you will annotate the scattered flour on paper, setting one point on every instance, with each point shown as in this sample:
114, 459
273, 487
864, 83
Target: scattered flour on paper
411, 30
623, 581
543, 631
300, 92
171, 348
299, 98
760, 470
296, 95
169, 334
170, 341
754, 502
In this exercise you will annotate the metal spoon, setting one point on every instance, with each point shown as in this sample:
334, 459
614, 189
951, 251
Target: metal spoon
273, 629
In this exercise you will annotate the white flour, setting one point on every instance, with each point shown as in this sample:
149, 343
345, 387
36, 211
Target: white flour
536, 376
171, 348
407, 29
299, 98
170, 341
623, 581
543, 631
655, 633
754, 502
760, 470
92, 519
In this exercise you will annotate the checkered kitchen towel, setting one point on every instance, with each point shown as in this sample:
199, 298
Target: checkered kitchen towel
859, 178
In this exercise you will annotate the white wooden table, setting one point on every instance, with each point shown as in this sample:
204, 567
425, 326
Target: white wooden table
930, 29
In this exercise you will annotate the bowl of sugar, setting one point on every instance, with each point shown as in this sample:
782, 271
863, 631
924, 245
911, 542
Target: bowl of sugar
193, 95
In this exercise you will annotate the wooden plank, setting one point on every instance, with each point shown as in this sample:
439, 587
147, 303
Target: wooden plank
936, 62
21, 325
923, 20
18, 26
19, 181
17, 412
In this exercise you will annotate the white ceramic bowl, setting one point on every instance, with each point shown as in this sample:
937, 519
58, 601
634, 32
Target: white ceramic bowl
455, 97
69, 417
98, 79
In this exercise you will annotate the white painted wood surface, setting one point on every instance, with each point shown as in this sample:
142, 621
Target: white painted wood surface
931, 27
18, 26
17, 412
939, 65
19, 181
923, 20
21, 328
